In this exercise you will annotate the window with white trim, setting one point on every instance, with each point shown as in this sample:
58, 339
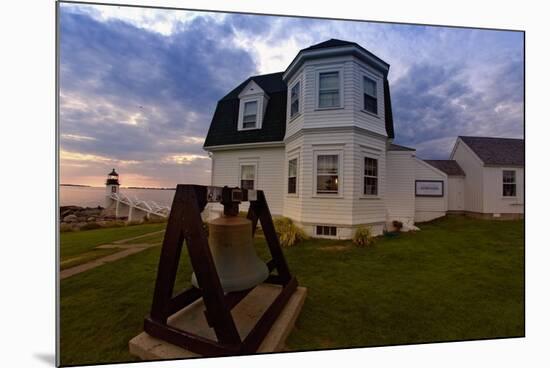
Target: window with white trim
250, 115
370, 179
295, 100
329, 89
248, 176
328, 173
325, 230
292, 176
508, 183
370, 99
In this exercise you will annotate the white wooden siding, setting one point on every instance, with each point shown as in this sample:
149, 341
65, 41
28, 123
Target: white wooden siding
270, 166
456, 193
429, 208
400, 200
292, 205
473, 183
493, 200
367, 209
364, 119
294, 125
316, 118
327, 209
351, 113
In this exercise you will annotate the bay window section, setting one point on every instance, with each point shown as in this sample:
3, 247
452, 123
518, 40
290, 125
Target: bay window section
295, 100
370, 180
329, 89
248, 176
292, 175
327, 174
508, 183
370, 100
250, 114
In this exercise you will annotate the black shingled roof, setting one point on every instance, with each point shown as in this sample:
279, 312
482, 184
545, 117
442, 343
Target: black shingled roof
396, 147
333, 42
223, 127
449, 167
497, 151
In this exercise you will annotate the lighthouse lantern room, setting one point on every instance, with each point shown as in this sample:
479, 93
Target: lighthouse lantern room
111, 187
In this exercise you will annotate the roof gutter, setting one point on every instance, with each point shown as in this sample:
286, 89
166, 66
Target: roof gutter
226, 147
304, 55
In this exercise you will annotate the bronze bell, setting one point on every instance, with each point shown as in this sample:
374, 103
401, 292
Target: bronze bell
231, 243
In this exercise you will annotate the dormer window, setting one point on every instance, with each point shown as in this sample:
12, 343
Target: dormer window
295, 100
250, 115
252, 105
370, 99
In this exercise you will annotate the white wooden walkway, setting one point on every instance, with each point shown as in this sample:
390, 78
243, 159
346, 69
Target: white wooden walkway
132, 207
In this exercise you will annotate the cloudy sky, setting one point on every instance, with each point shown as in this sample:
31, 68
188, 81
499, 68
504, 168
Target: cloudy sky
138, 87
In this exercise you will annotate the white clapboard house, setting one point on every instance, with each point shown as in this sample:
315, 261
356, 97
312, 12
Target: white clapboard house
317, 138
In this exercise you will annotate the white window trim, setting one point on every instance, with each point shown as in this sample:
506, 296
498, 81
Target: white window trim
248, 163
370, 196
290, 158
340, 154
321, 236
362, 104
300, 100
259, 113
502, 184
328, 69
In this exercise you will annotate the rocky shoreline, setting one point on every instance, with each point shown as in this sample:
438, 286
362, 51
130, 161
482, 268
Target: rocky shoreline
75, 218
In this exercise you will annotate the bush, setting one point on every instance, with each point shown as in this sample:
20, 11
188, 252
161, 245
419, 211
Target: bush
155, 219
397, 225
90, 226
363, 236
288, 233
64, 228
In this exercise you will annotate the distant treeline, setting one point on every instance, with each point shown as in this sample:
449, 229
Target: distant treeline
150, 188
89, 186
75, 185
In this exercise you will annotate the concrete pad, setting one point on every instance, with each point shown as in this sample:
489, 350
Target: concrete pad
246, 314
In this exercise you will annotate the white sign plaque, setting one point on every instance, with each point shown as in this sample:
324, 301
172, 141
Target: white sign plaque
429, 188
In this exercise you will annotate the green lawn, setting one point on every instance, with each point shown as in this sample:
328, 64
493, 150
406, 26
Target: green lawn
80, 246
456, 279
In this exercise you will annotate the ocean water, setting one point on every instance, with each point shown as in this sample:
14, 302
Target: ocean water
93, 197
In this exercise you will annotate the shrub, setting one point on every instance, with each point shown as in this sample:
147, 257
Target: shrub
397, 225
90, 226
363, 236
64, 228
289, 234
155, 219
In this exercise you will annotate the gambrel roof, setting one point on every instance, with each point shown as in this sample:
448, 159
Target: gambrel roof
224, 125
223, 128
497, 151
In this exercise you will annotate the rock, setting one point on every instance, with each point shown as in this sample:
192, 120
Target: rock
91, 219
90, 212
70, 219
81, 218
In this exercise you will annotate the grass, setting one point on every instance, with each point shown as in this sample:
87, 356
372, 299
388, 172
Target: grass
457, 279
79, 242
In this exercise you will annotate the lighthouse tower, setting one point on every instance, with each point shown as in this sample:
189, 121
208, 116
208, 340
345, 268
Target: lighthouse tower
111, 187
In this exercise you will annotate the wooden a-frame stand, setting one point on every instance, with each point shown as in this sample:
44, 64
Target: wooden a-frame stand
185, 224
